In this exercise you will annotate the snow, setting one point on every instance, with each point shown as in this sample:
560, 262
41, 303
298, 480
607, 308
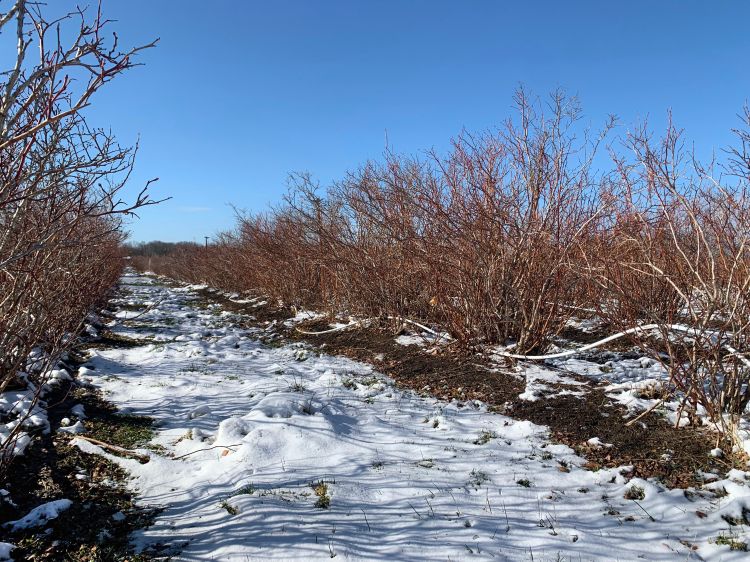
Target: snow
40, 515
5, 550
27, 416
74, 429
410, 339
78, 411
596, 442
24, 411
250, 432
538, 380
423, 338
201, 410
301, 316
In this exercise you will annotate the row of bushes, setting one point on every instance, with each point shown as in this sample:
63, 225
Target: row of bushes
510, 234
60, 210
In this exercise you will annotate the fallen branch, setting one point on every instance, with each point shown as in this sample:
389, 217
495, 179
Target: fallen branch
572, 352
645, 412
637, 329
339, 329
422, 326
143, 459
229, 447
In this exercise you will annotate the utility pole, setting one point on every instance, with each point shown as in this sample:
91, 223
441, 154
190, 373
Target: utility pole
206, 237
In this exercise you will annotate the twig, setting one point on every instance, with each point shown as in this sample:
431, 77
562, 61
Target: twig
339, 329
422, 326
636, 330
206, 449
644, 511
645, 412
138, 456
415, 511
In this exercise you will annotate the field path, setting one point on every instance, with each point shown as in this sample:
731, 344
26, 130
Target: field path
281, 453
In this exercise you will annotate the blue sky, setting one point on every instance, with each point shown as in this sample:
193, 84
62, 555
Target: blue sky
238, 94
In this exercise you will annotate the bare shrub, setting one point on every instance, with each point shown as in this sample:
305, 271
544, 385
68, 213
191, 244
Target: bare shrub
677, 256
484, 240
60, 179
509, 234
517, 208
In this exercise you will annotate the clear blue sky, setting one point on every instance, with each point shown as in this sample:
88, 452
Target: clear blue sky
240, 93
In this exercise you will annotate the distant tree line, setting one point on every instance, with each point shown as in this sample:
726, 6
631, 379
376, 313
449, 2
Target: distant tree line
155, 248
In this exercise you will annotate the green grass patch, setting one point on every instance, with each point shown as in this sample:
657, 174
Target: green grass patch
249, 489
732, 542
635, 493
124, 430
485, 437
230, 509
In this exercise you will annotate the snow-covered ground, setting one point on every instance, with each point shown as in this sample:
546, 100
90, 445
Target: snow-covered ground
281, 453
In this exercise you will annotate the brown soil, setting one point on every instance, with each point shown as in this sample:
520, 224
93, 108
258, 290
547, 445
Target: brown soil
658, 450
108, 340
263, 314
448, 376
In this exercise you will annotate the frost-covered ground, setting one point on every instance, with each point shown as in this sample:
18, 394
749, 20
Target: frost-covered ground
280, 453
